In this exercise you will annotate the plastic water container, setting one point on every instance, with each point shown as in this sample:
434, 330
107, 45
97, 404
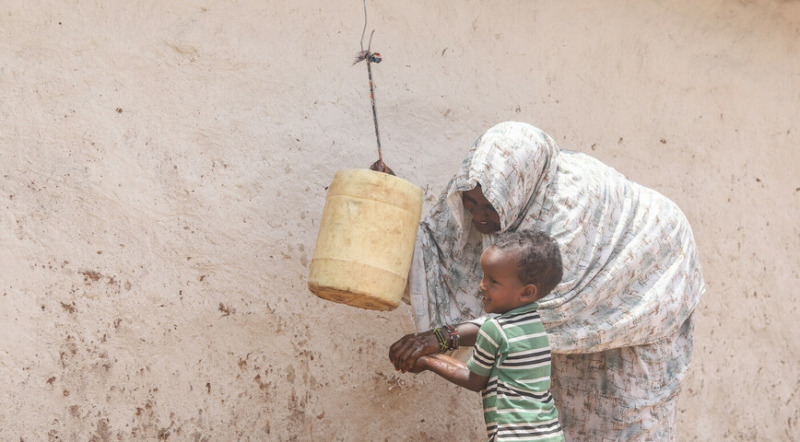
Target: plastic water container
366, 239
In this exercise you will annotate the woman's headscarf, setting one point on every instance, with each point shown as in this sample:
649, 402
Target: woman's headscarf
631, 271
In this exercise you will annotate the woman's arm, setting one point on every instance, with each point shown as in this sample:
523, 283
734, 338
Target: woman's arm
453, 370
409, 348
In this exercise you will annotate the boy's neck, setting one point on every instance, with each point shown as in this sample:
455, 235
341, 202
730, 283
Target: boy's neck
529, 306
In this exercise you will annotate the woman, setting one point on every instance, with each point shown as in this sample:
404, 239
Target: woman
620, 323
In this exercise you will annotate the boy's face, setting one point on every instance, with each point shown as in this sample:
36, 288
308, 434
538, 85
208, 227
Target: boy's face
501, 288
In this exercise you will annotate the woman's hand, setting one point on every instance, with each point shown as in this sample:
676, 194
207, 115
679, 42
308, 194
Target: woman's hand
405, 352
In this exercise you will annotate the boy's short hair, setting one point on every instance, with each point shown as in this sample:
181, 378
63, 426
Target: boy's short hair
539, 258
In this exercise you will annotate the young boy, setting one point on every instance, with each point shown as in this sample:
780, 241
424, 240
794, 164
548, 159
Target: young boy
511, 359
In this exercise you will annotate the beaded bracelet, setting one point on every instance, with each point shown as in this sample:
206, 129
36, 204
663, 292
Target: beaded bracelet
442, 341
455, 338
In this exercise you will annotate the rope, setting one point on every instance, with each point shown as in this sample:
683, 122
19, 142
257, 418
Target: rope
371, 57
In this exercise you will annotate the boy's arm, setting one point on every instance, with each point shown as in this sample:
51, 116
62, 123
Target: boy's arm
453, 370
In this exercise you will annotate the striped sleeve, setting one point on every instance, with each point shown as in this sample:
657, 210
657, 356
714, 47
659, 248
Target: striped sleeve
489, 340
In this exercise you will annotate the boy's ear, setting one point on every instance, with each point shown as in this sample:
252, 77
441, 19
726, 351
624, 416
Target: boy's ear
530, 292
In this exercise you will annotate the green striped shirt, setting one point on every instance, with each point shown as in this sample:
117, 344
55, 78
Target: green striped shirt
513, 351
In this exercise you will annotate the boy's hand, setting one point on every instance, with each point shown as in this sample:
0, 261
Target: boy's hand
420, 365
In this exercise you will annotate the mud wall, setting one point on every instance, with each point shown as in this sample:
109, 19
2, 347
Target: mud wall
163, 168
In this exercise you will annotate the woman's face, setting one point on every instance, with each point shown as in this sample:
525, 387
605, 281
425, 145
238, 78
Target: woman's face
484, 217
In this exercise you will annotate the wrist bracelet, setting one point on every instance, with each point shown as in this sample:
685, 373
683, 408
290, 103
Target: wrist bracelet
455, 338
442, 340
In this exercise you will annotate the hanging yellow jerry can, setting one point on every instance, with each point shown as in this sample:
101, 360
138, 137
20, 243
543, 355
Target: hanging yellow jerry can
366, 239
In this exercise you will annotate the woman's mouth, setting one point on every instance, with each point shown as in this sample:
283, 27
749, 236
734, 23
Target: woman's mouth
485, 226
481, 225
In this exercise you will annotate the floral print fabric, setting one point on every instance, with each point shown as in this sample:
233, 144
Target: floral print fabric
632, 277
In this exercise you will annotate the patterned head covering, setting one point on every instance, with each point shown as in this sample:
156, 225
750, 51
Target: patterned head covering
631, 271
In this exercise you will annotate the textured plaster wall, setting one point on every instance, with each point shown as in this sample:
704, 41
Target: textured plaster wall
163, 168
